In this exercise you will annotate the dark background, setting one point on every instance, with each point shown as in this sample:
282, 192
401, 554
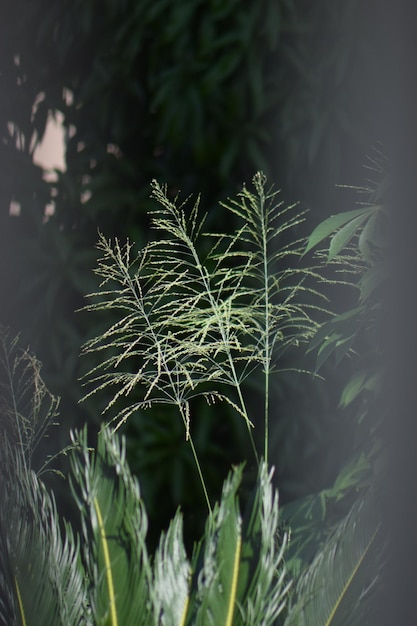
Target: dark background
200, 96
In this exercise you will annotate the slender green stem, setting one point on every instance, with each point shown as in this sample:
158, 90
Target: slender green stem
108, 564
220, 323
173, 387
243, 406
267, 355
266, 416
197, 462
20, 602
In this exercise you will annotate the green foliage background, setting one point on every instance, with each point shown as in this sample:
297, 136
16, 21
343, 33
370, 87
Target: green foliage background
199, 96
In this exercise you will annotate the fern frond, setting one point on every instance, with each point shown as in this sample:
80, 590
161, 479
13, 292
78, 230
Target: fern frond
114, 527
171, 568
346, 562
238, 575
40, 577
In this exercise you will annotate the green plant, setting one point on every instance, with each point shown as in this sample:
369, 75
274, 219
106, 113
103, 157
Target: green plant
194, 325
209, 319
199, 100
236, 574
237, 571
40, 580
358, 248
189, 327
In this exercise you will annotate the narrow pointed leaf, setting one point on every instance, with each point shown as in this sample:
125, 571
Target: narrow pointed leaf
344, 235
41, 580
170, 591
214, 601
328, 226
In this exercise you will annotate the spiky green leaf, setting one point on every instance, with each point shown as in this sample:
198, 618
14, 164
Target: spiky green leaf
238, 576
114, 526
41, 580
344, 567
171, 577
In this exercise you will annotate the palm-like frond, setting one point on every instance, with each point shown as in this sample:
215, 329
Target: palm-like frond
263, 584
216, 562
114, 526
27, 408
344, 569
171, 577
44, 580
40, 579
238, 575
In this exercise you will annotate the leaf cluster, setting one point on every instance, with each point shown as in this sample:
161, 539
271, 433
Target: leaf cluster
357, 241
188, 322
236, 574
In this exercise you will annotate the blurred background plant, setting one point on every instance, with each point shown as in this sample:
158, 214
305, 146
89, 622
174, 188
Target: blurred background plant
199, 96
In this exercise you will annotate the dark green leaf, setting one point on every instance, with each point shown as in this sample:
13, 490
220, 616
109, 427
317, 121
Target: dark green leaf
353, 388
345, 563
344, 235
326, 228
238, 573
114, 527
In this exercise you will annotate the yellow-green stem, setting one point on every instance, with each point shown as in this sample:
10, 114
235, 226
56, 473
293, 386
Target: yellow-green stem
267, 331
243, 407
107, 563
197, 462
20, 602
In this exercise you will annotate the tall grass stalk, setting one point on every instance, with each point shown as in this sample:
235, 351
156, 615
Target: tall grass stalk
198, 324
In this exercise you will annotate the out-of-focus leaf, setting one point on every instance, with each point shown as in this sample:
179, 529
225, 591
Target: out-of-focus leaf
372, 280
171, 576
353, 388
344, 235
366, 237
345, 564
326, 228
